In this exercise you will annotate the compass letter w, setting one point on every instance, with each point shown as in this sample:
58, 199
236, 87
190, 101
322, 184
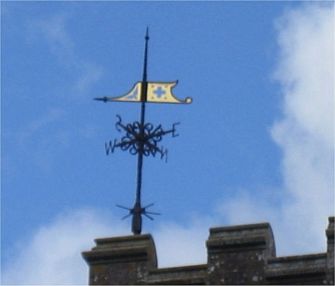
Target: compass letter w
109, 147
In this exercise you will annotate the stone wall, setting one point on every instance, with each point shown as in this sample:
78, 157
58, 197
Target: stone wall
243, 254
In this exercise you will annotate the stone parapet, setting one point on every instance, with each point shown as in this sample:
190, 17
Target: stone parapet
243, 254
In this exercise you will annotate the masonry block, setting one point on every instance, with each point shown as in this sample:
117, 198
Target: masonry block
121, 260
238, 254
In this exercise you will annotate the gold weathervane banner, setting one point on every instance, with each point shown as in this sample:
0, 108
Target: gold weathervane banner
157, 92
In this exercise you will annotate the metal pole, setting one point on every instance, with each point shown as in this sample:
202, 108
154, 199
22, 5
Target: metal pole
137, 210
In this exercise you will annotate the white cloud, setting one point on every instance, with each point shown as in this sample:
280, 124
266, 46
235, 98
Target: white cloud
51, 116
90, 74
306, 70
32, 136
54, 31
244, 208
178, 244
305, 134
53, 255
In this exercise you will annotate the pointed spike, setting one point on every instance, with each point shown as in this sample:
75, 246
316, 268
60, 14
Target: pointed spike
147, 33
149, 217
153, 213
144, 80
126, 216
148, 206
122, 207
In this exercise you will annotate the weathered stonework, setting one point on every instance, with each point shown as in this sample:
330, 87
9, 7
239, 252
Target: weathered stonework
302, 269
242, 254
238, 254
121, 260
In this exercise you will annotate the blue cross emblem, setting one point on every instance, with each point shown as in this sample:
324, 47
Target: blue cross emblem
159, 92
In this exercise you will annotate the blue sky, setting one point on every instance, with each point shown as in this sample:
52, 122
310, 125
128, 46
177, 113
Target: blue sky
241, 154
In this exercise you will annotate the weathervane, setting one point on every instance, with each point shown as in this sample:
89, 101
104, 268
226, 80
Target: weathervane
142, 138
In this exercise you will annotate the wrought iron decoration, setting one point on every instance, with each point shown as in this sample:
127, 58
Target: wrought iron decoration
142, 138
137, 134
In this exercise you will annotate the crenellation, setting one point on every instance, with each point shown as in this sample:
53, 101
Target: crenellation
120, 259
239, 253
243, 254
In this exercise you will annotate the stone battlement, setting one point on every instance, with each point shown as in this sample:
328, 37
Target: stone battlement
243, 254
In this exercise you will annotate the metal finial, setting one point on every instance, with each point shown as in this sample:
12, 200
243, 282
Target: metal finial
147, 34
